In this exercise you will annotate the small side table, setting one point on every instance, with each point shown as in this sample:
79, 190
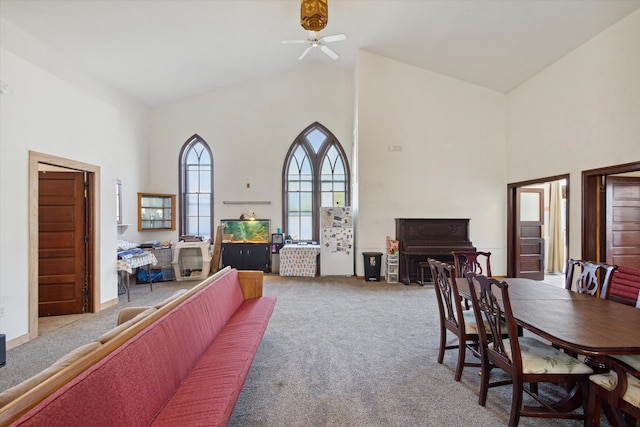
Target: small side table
135, 261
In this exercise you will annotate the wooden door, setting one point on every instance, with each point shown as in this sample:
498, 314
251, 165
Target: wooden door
62, 250
529, 229
623, 221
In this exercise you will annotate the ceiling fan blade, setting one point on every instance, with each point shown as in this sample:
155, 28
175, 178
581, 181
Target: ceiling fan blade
294, 41
336, 38
305, 52
331, 54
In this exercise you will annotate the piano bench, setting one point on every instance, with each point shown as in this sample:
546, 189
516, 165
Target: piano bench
422, 265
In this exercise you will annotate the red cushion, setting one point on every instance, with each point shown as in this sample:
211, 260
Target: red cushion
209, 394
625, 285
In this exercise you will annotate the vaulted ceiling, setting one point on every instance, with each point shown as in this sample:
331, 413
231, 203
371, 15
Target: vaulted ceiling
160, 51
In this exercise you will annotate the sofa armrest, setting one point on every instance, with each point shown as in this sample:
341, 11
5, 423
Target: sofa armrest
251, 283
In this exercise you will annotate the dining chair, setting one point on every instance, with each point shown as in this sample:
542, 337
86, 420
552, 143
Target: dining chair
618, 391
462, 323
472, 261
523, 359
588, 277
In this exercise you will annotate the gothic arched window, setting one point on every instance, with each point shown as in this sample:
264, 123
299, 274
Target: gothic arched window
315, 175
196, 188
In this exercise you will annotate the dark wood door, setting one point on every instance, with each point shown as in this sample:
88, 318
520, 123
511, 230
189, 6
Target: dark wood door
623, 221
529, 229
62, 260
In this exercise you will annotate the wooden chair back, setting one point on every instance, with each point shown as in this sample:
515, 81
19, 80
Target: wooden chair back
444, 280
472, 261
490, 301
589, 277
452, 316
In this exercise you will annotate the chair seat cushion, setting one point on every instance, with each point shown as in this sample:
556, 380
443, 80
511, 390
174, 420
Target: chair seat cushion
632, 360
471, 326
609, 380
541, 358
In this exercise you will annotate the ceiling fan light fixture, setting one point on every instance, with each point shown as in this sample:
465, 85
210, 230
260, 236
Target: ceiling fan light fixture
314, 14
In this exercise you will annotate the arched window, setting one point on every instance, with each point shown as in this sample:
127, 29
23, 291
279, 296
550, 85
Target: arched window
196, 188
315, 175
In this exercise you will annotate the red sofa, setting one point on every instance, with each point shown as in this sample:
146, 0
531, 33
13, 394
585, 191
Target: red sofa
181, 365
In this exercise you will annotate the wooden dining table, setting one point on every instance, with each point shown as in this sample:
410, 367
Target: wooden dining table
579, 322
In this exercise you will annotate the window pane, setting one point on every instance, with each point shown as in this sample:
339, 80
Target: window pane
204, 208
339, 168
327, 200
204, 228
192, 226
294, 226
306, 228
316, 138
294, 186
205, 158
192, 184
192, 205
294, 202
192, 157
205, 180
306, 203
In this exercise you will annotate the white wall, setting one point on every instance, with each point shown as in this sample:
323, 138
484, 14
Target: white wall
249, 129
581, 113
452, 161
52, 108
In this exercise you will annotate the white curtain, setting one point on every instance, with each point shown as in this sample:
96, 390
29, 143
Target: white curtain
555, 259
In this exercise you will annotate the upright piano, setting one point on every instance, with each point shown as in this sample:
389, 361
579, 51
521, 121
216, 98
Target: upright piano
423, 238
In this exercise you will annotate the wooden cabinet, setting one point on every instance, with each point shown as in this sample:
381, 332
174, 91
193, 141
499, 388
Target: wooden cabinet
246, 256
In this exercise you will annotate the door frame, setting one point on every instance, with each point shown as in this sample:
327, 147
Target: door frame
93, 228
512, 220
594, 225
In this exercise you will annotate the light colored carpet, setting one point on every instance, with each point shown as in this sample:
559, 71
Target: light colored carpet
345, 352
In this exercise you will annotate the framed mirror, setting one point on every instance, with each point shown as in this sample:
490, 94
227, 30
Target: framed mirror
156, 212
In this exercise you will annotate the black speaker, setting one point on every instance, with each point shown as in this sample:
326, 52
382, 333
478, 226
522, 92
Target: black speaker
3, 350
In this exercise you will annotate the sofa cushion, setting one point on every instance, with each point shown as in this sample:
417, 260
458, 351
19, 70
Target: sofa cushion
210, 392
129, 313
18, 390
123, 326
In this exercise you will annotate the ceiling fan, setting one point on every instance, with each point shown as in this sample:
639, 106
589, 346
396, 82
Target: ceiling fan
314, 15
315, 40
